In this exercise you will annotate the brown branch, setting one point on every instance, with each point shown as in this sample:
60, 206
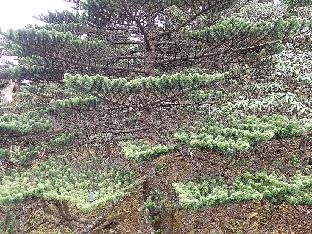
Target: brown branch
190, 20
45, 53
139, 25
218, 53
98, 225
49, 133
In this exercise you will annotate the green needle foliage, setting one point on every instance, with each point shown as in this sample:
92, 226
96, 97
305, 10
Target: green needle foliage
236, 27
70, 103
112, 85
248, 187
242, 134
138, 38
139, 150
105, 85
24, 156
54, 181
23, 123
239, 137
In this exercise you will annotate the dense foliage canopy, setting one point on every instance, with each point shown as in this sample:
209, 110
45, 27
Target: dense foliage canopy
126, 112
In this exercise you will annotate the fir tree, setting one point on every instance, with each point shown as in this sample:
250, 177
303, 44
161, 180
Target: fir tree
129, 100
